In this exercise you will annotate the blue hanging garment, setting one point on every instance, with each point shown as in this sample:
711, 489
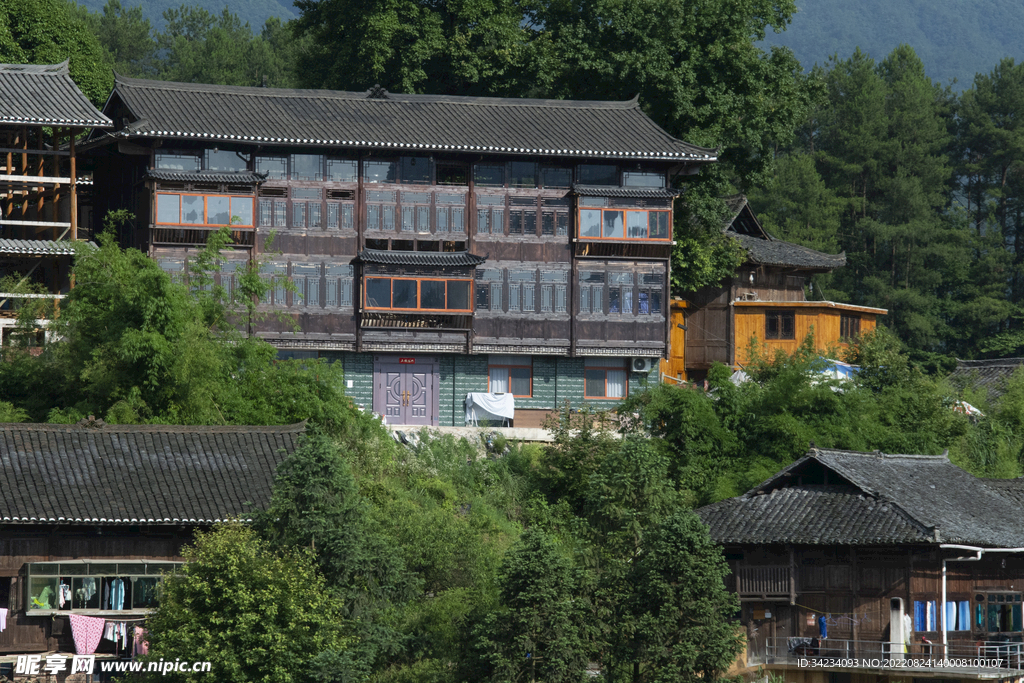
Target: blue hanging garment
823, 627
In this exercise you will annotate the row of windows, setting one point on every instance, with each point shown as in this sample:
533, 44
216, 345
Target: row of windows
624, 293
526, 291
616, 224
999, 613
274, 213
782, 325
604, 378
415, 219
114, 586
418, 170
521, 221
316, 285
204, 210
416, 294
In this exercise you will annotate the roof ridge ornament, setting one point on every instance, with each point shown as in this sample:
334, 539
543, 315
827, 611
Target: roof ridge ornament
377, 93
92, 422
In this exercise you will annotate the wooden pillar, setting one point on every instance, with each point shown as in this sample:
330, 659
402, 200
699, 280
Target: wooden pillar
55, 202
11, 141
40, 171
73, 191
24, 166
854, 588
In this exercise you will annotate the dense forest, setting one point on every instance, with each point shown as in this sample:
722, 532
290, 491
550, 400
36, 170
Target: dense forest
955, 40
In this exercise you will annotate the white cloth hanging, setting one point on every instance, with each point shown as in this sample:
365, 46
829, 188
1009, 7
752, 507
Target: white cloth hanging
484, 406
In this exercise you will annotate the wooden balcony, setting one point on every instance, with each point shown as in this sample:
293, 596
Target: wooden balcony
243, 238
765, 582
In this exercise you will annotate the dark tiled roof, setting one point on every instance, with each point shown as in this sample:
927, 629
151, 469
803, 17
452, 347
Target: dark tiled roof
991, 375
773, 252
399, 122
421, 258
153, 474
741, 224
39, 247
812, 515
628, 192
183, 177
45, 95
934, 495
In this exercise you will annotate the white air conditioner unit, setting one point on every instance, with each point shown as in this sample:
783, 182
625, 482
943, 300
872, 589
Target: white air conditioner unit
643, 364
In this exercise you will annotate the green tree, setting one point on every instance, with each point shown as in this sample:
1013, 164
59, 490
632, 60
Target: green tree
316, 505
462, 48
201, 47
682, 610
255, 614
51, 31
537, 634
128, 38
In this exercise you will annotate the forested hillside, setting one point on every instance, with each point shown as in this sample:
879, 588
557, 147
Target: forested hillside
253, 12
954, 38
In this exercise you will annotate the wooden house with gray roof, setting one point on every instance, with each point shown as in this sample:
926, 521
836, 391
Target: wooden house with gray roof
86, 505
42, 113
765, 302
439, 246
864, 557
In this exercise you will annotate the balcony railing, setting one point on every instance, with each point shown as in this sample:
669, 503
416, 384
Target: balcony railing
242, 238
763, 582
985, 658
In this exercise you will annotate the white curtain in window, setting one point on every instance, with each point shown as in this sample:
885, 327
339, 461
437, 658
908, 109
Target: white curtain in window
499, 380
616, 383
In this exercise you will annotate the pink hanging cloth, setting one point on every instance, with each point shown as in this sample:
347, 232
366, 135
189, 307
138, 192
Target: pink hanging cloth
140, 646
87, 632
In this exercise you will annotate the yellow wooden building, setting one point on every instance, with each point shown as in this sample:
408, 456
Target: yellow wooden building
764, 303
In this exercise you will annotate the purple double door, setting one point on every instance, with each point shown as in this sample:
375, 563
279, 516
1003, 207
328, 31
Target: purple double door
405, 389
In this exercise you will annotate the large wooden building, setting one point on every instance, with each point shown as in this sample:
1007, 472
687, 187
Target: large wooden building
87, 505
42, 113
764, 303
437, 245
862, 557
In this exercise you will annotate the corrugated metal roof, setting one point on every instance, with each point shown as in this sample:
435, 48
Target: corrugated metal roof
39, 247
628, 192
421, 258
132, 474
246, 177
399, 122
45, 95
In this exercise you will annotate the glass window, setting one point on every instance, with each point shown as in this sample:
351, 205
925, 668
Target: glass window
458, 295
849, 326
42, 591
192, 210
556, 177
276, 168
341, 170
491, 175
432, 294
416, 170
144, 592
380, 171
511, 374
226, 161
780, 325
605, 378
636, 224
612, 225
168, 208
307, 167
643, 179
403, 293
378, 292
599, 174
241, 211
177, 162
590, 223
524, 174
218, 210
658, 224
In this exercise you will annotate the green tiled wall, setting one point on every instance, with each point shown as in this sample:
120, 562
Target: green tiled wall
470, 375
555, 381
